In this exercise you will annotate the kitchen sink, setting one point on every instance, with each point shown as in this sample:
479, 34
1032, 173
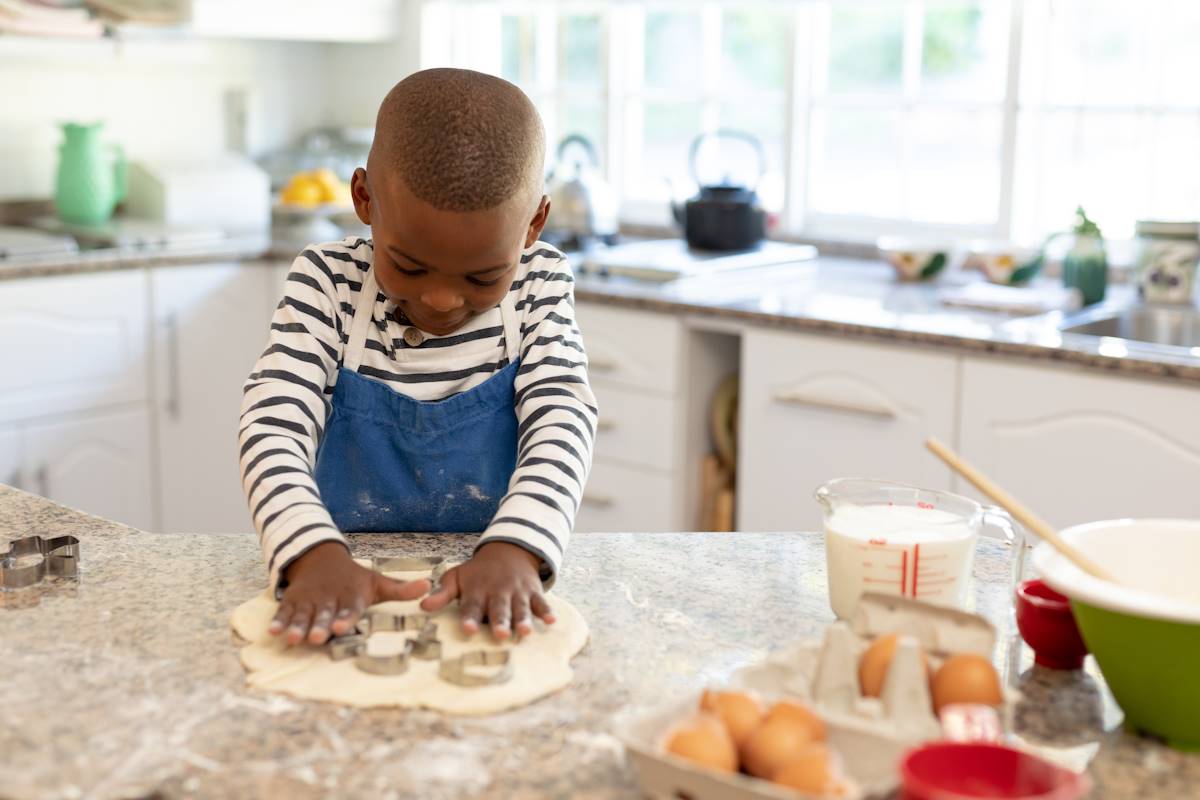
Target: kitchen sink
1155, 325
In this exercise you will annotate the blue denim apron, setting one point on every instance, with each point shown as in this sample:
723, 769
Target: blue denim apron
388, 462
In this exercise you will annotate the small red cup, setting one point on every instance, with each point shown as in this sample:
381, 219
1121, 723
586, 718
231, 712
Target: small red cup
971, 770
1047, 625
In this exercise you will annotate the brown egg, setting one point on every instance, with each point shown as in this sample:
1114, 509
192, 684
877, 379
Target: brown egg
816, 770
741, 712
801, 715
703, 740
966, 678
772, 745
874, 664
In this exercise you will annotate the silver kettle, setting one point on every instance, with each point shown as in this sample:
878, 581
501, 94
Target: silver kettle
582, 204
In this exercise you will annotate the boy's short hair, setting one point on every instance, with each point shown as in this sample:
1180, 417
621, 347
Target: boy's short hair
460, 140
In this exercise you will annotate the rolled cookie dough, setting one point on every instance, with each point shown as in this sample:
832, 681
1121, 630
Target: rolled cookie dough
541, 663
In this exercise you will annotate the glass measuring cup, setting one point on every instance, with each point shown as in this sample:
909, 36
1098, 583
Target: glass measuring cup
898, 539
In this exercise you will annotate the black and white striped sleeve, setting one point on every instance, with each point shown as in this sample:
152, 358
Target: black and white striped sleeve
556, 417
284, 408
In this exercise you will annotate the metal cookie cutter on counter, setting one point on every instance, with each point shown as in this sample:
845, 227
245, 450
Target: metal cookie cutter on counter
454, 670
354, 645
434, 565
29, 560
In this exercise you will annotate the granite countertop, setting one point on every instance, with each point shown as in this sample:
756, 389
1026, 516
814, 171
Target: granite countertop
107, 259
127, 683
862, 298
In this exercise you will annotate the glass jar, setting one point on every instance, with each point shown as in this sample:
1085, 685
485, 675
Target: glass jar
1167, 257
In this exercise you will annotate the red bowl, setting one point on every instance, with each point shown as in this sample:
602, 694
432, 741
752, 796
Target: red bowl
967, 771
1047, 625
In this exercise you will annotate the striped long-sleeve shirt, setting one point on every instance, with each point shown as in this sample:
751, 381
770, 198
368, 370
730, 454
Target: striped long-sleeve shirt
287, 397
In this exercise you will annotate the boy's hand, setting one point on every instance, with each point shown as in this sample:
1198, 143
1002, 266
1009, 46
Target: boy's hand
328, 592
501, 582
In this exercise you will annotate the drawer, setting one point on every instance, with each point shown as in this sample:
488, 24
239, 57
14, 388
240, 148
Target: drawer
75, 343
635, 349
623, 499
636, 428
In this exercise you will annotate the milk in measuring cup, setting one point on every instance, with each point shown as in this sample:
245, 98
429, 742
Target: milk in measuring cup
911, 551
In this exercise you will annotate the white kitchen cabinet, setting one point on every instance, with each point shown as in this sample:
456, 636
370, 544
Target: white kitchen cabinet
11, 458
1079, 446
816, 408
77, 343
95, 463
299, 20
621, 498
638, 350
211, 324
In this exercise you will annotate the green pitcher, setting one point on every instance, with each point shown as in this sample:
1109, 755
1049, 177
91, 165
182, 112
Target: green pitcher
91, 175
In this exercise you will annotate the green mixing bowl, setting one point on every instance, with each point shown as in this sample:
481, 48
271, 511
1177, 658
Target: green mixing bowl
1145, 631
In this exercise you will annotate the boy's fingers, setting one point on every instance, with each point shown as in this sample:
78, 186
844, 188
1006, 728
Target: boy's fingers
500, 615
280, 621
348, 613
520, 616
321, 624
447, 591
298, 627
541, 609
392, 589
472, 614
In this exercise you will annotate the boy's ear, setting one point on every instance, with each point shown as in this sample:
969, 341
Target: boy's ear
538, 222
361, 195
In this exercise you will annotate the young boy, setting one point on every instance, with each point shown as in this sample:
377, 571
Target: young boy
431, 378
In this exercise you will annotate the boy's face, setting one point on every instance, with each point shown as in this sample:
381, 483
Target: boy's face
443, 267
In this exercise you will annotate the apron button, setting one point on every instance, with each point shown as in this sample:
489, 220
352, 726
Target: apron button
413, 337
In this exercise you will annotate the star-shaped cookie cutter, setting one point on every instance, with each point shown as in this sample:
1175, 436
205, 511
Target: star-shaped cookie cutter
55, 557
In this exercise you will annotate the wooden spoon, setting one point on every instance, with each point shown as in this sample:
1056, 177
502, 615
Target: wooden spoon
1019, 512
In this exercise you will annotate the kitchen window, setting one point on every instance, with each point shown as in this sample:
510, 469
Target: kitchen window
973, 117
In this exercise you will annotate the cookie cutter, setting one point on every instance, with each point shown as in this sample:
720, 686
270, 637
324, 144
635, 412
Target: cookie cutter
56, 557
434, 565
454, 670
354, 645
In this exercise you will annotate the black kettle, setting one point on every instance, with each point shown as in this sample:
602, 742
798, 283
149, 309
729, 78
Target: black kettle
723, 216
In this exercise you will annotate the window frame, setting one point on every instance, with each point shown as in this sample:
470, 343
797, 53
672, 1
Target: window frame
619, 96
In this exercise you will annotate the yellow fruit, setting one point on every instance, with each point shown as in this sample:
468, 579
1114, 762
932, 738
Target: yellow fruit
772, 745
703, 740
329, 183
302, 191
741, 712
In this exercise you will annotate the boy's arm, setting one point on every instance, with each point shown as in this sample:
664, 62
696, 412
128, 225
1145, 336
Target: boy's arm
283, 415
556, 415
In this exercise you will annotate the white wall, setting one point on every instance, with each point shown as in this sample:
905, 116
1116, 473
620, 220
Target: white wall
162, 98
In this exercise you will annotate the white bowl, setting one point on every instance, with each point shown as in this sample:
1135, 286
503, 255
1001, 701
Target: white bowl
1155, 561
915, 259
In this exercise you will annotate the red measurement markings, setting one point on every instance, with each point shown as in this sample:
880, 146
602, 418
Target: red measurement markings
926, 506
903, 571
933, 575
916, 567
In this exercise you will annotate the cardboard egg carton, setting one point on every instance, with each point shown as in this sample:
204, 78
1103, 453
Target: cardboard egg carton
873, 733
870, 734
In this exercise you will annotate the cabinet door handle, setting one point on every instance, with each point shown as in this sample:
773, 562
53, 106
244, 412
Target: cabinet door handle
598, 500
43, 481
605, 425
602, 365
171, 326
792, 398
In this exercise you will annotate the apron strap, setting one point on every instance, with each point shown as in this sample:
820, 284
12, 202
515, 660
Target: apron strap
364, 315
512, 326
